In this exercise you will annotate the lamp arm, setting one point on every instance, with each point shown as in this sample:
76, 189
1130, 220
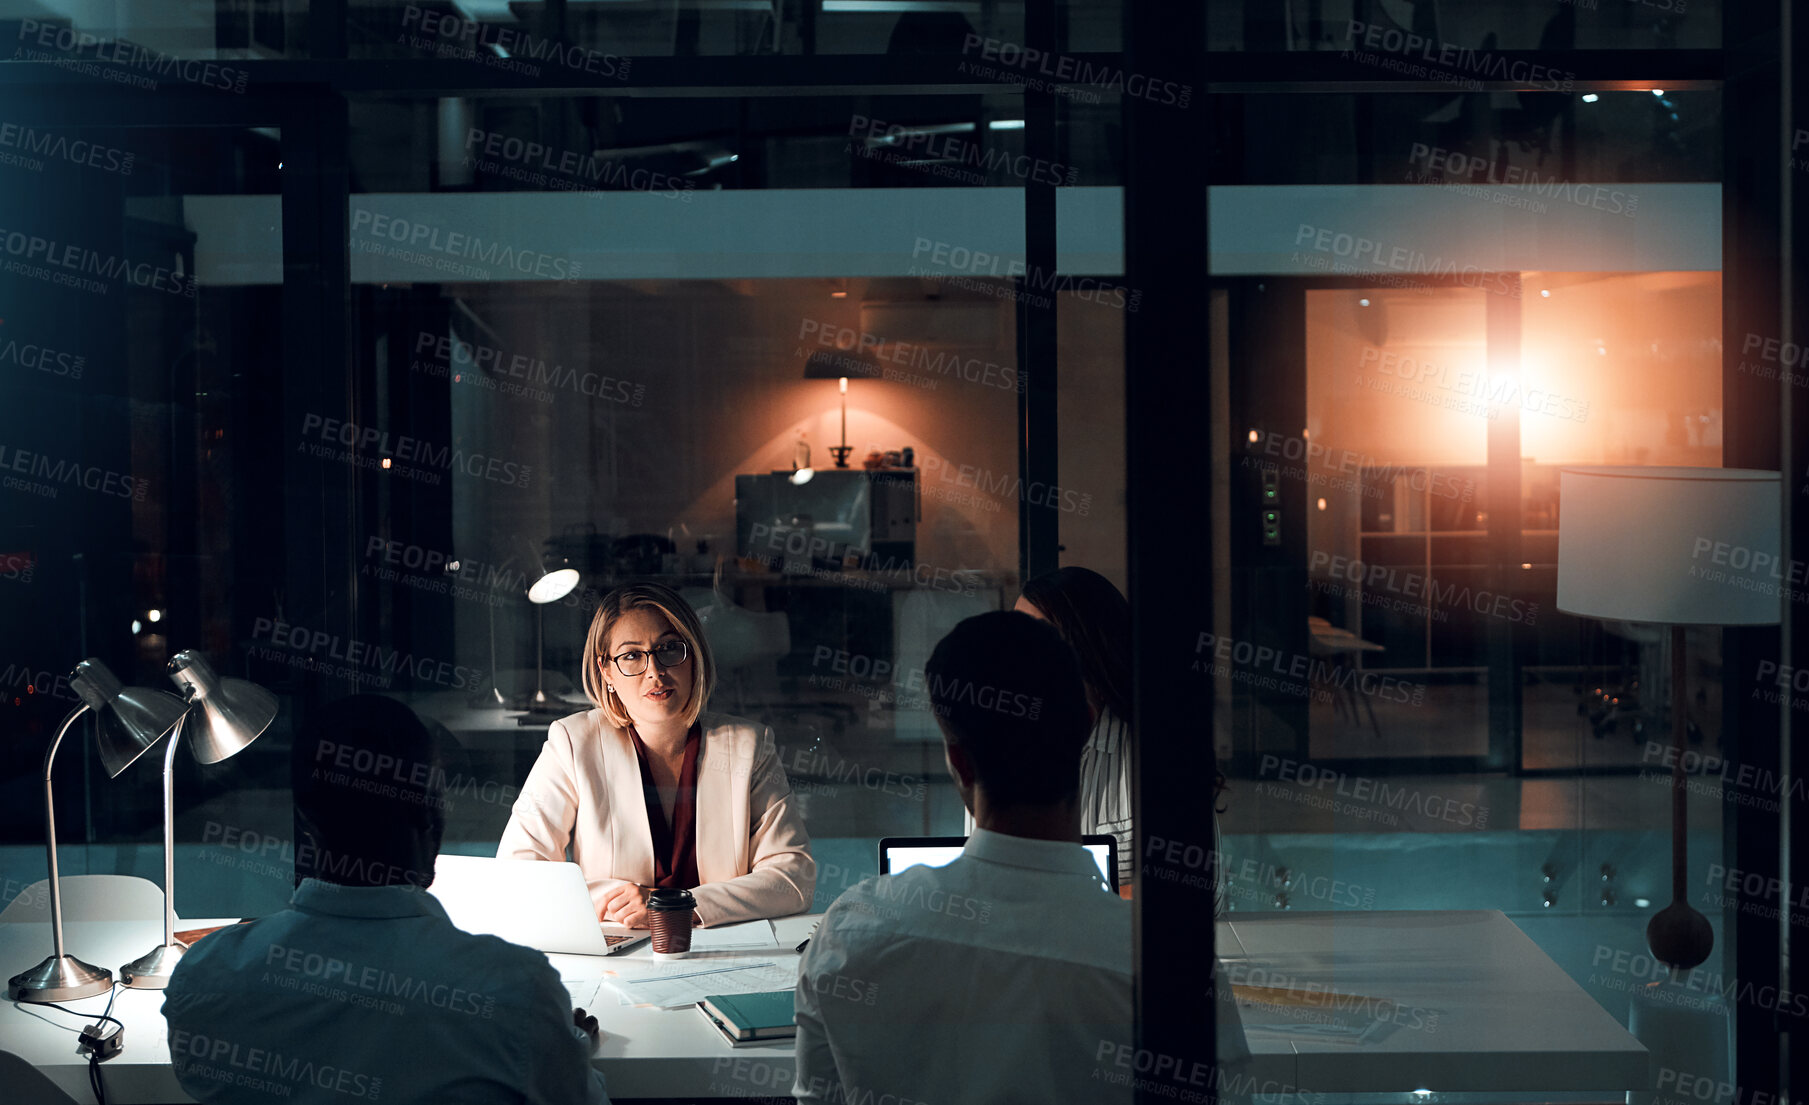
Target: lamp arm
169, 827
50, 830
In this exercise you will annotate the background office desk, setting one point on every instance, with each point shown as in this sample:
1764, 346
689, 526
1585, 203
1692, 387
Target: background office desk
1507, 1017
1480, 1007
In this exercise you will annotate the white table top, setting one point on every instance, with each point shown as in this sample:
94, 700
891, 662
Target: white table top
1480, 1009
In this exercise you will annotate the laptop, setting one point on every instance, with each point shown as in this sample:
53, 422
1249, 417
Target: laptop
534, 903
899, 852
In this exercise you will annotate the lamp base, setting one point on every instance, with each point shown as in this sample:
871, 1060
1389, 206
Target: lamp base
152, 970
59, 978
840, 453
545, 708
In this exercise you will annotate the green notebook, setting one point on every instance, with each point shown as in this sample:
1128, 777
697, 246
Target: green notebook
764, 1016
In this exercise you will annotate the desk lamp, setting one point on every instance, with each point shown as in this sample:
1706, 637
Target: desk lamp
825, 366
553, 585
221, 717
132, 720
1632, 547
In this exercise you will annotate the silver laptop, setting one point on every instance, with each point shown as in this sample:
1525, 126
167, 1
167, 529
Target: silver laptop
529, 902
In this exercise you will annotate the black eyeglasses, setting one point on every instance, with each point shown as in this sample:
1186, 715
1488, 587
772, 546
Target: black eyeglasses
669, 654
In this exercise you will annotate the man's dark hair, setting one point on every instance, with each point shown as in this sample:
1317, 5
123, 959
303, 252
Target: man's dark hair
1007, 690
369, 788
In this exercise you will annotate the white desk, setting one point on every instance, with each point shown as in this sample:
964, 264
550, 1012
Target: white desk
1508, 1018
47, 1039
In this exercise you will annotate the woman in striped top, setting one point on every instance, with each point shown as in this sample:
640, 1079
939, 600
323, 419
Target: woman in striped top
1094, 618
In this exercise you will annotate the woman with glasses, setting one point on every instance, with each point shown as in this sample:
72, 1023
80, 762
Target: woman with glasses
650, 790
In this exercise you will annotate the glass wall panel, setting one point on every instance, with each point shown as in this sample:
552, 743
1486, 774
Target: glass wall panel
137, 340
1417, 345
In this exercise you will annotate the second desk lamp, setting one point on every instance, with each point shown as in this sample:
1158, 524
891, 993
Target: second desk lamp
222, 716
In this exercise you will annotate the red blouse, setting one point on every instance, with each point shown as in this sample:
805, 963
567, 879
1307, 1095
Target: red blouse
674, 843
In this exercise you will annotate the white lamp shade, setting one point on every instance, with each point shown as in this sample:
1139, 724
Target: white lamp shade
1671, 546
553, 586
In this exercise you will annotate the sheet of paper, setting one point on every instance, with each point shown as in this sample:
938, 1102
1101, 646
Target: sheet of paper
794, 930
584, 992
748, 934
686, 985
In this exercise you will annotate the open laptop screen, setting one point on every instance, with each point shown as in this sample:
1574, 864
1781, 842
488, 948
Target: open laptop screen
896, 853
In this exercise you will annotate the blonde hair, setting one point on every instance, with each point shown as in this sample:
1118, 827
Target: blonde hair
646, 596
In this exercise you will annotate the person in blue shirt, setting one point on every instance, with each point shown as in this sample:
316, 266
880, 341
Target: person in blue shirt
362, 989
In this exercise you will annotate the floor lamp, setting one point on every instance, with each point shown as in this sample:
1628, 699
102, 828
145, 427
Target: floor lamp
132, 720
1639, 545
551, 586
220, 717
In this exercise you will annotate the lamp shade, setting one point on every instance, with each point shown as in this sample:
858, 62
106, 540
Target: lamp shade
227, 714
132, 719
553, 586
1671, 546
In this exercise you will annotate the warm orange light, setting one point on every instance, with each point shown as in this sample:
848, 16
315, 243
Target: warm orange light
838, 295
386, 462
1321, 504
1255, 437
844, 385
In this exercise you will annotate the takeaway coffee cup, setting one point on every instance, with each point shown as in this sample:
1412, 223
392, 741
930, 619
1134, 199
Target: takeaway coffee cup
669, 917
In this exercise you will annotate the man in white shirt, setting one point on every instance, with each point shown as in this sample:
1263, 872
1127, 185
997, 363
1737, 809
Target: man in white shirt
1004, 976
363, 989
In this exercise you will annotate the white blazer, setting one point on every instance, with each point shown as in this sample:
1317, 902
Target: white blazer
753, 855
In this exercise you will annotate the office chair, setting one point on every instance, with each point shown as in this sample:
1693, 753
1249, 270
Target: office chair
746, 642
89, 898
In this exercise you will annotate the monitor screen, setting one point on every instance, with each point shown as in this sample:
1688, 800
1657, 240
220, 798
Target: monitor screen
896, 855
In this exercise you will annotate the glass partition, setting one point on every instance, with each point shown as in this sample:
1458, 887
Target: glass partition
780, 352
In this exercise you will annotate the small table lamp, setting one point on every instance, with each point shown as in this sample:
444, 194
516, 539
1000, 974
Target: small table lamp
1636, 545
132, 720
221, 717
822, 365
